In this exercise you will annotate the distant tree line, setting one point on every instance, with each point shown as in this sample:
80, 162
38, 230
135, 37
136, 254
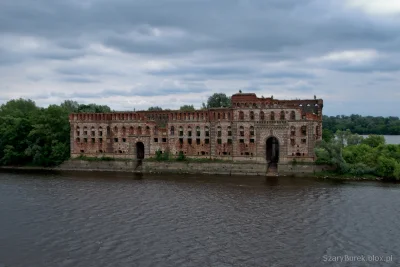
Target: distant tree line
362, 124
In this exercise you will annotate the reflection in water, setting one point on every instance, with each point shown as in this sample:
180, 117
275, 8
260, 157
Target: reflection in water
116, 219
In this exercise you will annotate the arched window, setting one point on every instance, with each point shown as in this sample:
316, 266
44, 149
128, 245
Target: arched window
155, 130
241, 115
262, 116
93, 132
85, 130
139, 130
207, 131
78, 132
223, 116
123, 130
100, 131
282, 117
252, 115
272, 116
251, 130
293, 115
115, 129
172, 132
229, 115
198, 131
229, 130
131, 130
189, 131
147, 130
241, 131
219, 132
180, 131
108, 131
292, 131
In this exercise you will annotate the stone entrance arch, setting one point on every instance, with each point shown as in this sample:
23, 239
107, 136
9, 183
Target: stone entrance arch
272, 149
139, 150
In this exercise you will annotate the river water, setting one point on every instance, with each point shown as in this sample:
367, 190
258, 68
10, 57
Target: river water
109, 219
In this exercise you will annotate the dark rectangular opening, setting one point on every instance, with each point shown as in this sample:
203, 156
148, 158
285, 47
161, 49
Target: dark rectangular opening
241, 140
198, 141
207, 141
190, 141
219, 141
251, 140
229, 141
164, 140
116, 140
155, 140
180, 140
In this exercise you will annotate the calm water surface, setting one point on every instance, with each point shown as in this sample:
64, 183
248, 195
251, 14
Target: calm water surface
90, 219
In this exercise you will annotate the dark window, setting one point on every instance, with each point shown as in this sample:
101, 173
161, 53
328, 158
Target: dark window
241, 140
85, 140
93, 140
93, 133
189, 141
251, 115
164, 140
262, 116
303, 141
229, 141
292, 115
219, 141
180, 140
116, 140
251, 140
207, 141
100, 140
155, 140
124, 140
198, 141
304, 130
282, 115
241, 115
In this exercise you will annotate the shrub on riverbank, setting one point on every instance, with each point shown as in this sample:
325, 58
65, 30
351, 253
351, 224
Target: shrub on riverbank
367, 156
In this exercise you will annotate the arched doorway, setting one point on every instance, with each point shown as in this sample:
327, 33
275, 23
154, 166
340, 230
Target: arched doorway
272, 150
139, 150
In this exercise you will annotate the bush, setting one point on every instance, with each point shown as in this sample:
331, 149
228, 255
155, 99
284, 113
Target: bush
359, 169
386, 167
181, 156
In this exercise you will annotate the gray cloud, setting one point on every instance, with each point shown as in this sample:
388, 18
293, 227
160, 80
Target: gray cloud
193, 47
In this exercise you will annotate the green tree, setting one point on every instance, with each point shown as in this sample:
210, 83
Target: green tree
187, 108
93, 108
155, 108
374, 140
327, 135
218, 100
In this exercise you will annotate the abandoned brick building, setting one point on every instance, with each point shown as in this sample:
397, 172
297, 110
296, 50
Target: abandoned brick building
254, 129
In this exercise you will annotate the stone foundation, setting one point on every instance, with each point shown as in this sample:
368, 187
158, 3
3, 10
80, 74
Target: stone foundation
228, 168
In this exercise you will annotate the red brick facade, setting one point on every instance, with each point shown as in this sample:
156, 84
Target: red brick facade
258, 129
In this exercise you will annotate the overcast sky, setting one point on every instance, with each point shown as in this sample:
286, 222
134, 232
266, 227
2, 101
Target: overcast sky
138, 53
